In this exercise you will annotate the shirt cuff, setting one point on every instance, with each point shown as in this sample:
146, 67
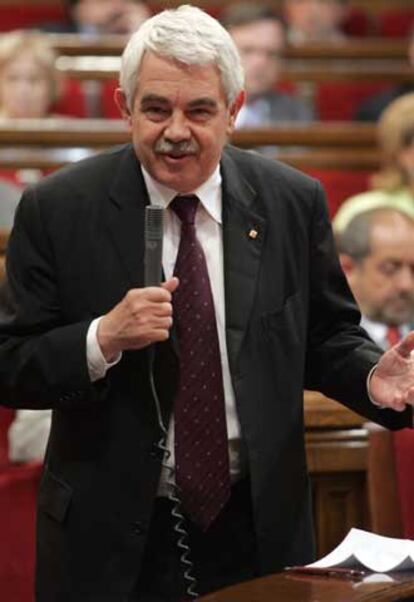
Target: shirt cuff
370, 373
97, 364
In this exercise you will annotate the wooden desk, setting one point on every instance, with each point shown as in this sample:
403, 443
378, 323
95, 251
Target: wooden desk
285, 587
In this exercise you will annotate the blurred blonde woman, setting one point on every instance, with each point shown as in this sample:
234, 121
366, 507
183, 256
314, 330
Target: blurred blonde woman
29, 86
29, 80
393, 185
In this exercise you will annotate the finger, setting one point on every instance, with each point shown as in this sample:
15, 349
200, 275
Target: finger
405, 347
162, 309
398, 402
171, 284
409, 396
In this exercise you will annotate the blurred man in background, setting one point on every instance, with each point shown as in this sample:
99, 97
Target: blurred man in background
372, 108
102, 17
314, 20
260, 38
377, 255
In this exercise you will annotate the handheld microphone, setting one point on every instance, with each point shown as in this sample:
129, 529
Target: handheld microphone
153, 235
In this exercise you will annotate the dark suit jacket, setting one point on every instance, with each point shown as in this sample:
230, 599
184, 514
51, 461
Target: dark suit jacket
76, 249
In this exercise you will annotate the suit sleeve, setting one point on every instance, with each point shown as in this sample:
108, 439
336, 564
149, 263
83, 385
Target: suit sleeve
340, 354
42, 359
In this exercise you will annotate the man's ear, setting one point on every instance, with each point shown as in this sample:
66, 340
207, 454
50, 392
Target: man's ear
121, 103
234, 111
347, 263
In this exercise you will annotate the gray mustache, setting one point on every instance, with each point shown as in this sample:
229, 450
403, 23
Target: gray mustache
183, 147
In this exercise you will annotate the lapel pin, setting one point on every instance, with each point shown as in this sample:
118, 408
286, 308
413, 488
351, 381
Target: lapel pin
253, 234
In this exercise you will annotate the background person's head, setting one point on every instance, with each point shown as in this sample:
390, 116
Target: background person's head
260, 38
314, 20
181, 86
396, 141
377, 255
108, 16
29, 79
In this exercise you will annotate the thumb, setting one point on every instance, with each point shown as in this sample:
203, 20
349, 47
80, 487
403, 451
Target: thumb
405, 347
171, 284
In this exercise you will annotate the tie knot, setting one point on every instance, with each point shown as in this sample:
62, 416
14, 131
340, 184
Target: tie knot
185, 207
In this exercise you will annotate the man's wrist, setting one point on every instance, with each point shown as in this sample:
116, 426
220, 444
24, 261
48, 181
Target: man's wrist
369, 378
97, 362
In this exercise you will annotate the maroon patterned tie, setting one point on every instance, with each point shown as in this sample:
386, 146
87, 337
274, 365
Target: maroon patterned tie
201, 448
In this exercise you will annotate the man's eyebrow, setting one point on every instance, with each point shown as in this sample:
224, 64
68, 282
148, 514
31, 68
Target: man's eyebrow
154, 98
204, 101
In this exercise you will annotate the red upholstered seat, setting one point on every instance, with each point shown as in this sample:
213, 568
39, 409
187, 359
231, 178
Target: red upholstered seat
396, 23
6, 418
18, 492
390, 481
72, 101
357, 23
403, 442
14, 16
339, 100
341, 184
109, 108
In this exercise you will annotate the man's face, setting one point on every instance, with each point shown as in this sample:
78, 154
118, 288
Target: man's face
383, 282
25, 88
260, 45
180, 121
111, 16
314, 18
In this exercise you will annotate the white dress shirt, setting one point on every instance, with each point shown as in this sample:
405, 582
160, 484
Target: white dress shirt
378, 331
209, 232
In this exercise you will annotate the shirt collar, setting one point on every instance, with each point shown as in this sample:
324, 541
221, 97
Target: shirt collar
209, 193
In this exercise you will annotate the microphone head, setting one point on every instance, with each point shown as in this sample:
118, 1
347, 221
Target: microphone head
154, 222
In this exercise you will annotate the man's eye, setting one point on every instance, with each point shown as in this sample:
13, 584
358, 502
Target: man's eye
155, 112
200, 113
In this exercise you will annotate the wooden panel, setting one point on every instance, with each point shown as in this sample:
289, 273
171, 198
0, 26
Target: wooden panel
339, 504
322, 412
359, 69
61, 132
353, 48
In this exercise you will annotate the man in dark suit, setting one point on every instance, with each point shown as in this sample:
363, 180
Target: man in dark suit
260, 38
261, 310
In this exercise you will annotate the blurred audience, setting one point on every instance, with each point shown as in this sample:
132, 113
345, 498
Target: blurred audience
314, 20
377, 255
260, 37
29, 85
102, 17
394, 184
372, 108
29, 80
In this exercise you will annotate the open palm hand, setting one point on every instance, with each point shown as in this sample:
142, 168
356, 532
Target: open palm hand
392, 383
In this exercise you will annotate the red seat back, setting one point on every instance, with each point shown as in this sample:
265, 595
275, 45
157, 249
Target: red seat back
18, 493
6, 418
341, 184
396, 23
404, 458
72, 101
19, 16
339, 100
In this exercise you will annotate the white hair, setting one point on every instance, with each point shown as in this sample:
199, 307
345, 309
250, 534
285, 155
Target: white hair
188, 35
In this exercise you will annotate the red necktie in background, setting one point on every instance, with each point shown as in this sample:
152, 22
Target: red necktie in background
201, 446
393, 335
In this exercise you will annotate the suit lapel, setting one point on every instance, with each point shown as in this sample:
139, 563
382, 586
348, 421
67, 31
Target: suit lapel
125, 214
243, 236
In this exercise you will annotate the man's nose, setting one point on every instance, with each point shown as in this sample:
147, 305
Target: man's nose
405, 279
177, 128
